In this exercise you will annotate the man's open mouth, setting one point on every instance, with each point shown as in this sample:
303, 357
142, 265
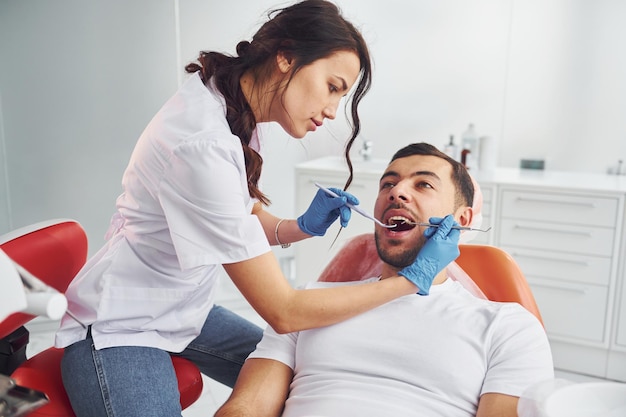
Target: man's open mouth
402, 223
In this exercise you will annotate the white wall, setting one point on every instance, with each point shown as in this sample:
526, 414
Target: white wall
5, 213
79, 81
566, 88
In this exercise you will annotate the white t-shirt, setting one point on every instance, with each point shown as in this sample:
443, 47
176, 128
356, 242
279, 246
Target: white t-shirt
184, 211
418, 355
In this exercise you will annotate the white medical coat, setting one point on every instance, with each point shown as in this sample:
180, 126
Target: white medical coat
185, 210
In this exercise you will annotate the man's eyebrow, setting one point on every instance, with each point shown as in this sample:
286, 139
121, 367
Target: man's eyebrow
389, 174
426, 173
415, 174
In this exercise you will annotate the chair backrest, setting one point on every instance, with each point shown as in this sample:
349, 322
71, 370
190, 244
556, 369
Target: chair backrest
498, 275
53, 251
493, 270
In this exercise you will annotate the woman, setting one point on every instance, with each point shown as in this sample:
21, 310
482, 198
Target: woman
191, 203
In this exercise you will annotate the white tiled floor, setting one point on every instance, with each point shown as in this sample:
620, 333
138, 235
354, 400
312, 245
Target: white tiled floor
214, 393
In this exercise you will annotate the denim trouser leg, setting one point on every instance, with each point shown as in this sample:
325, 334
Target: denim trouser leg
140, 381
120, 381
223, 345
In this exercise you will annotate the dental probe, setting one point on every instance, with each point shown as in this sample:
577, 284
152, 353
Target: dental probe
366, 215
356, 208
453, 227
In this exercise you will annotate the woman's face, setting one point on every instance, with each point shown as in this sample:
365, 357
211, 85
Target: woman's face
314, 92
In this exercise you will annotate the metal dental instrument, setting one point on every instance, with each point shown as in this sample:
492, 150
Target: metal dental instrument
356, 208
454, 227
389, 226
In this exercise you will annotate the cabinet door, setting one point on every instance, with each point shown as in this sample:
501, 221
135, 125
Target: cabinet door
558, 207
572, 312
559, 266
571, 291
571, 238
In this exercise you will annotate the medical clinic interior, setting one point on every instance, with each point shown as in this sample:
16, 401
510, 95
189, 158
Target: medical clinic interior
530, 93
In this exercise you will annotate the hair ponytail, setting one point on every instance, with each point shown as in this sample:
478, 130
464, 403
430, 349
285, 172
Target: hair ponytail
227, 71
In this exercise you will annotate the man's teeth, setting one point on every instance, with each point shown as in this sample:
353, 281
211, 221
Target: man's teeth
398, 220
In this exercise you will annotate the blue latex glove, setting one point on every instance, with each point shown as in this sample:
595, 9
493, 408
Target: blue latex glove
324, 210
441, 248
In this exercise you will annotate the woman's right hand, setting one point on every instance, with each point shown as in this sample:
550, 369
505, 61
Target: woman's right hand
441, 248
324, 210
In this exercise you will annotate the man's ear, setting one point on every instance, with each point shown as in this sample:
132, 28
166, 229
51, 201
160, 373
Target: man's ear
464, 216
284, 62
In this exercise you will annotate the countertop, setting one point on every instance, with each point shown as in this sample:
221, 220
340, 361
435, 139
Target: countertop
574, 180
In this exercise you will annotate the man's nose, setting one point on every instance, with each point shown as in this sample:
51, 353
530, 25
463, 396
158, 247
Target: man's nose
399, 193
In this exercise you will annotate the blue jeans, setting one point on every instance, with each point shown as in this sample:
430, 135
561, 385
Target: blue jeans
134, 381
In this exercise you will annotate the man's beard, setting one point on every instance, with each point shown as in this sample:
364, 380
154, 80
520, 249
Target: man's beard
398, 259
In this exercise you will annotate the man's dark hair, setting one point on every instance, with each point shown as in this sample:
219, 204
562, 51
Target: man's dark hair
460, 177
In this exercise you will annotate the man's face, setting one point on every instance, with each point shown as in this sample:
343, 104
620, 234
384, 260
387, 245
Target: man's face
413, 188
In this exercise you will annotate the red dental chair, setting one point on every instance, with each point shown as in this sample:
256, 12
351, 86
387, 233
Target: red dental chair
54, 252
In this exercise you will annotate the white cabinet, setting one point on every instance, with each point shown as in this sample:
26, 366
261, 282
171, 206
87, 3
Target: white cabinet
566, 230
564, 243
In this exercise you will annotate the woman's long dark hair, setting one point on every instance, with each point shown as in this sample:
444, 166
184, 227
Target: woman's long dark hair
305, 32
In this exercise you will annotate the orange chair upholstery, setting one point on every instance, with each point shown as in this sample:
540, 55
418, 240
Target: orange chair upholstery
498, 275
54, 252
493, 270
356, 260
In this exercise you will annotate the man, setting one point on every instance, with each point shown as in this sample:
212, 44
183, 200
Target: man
446, 353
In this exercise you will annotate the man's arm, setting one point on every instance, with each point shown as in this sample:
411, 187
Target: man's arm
497, 405
260, 391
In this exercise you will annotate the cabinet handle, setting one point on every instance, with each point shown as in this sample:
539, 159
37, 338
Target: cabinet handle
567, 203
543, 229
546, 258
577, 290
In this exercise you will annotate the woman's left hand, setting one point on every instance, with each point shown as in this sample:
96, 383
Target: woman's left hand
324, 210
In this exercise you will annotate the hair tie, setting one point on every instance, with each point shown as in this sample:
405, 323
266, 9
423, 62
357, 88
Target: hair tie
242, 48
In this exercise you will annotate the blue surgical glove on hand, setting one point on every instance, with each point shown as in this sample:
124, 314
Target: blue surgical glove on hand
441, 248
324, 210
